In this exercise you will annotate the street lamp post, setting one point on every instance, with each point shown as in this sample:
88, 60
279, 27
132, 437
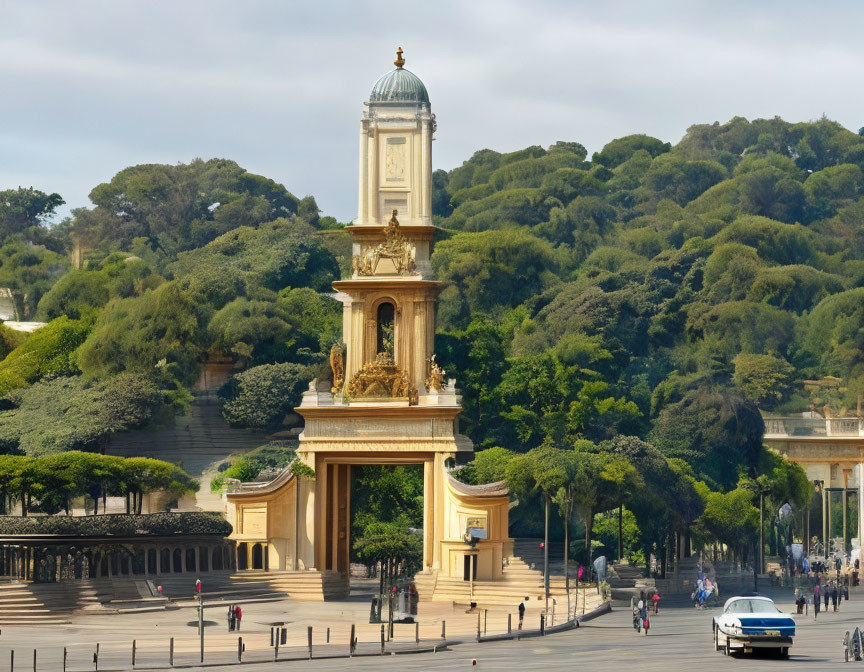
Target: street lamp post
819, 487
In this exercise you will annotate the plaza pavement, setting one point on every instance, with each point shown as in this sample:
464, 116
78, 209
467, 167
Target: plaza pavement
680, 636
152, 632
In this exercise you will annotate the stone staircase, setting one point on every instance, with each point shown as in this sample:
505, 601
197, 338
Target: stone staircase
522, 578
27, 603
201, 440
218, 586
311, 586
627, 582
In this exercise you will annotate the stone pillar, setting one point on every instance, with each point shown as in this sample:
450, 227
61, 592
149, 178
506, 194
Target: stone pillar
860, 500
428, 513
438, 521
363, 207
183, 559
197, 559
320, 529
425, 185
373, 175
825, 518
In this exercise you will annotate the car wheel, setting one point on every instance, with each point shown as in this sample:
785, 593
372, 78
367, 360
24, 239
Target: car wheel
784, 652
727, 649
716, 640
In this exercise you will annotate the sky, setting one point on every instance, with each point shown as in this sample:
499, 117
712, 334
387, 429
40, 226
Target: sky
89, 87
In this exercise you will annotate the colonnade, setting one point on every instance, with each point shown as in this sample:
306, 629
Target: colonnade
67, 562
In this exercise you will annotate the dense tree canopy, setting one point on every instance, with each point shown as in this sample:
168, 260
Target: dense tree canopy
646, 305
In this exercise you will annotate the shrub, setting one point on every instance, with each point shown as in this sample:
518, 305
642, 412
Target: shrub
261, 396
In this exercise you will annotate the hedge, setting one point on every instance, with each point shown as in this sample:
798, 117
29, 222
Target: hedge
118, 525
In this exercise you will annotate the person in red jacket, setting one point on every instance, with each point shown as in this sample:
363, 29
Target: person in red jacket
238, 614
656, 600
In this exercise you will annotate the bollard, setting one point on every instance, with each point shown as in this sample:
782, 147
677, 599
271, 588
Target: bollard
509, 623
12, 660
382, 640
239, 649
34, 660
64, 659
478, 626
542, 625
309, 637
133, 653
171, 652
328, 634
276, 650
352, 643
485, 617
417, 633
272, 635
96, 658
283, 636
443, 629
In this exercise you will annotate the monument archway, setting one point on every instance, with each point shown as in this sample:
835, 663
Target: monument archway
387, 400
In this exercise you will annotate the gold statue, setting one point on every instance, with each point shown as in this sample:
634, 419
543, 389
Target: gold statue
435, 381
337, 366
399, 62
381, 379
395, 247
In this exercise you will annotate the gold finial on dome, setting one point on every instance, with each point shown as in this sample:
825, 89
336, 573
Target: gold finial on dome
399, 62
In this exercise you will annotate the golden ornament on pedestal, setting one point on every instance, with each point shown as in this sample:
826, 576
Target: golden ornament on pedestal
395, 247
381, 379
337, 366
435, 381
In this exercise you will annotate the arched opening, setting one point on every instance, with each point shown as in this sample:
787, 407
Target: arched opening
204, 554
190, 560
257, 557
217, 558
178, 560
241, 556
165, 561
386, 332
151, 560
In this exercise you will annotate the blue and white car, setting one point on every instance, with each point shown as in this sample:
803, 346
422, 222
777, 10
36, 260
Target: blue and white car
749, 623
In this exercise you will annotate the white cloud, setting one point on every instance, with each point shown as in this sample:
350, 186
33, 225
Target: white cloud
89, 87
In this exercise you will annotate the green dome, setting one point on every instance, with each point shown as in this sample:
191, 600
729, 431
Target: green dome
399, 86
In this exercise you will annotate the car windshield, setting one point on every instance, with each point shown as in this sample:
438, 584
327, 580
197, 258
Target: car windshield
745, 606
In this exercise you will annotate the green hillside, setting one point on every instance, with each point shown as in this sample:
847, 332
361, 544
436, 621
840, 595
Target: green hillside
643, 306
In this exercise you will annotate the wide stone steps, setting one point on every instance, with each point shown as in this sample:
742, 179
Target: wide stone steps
299, 585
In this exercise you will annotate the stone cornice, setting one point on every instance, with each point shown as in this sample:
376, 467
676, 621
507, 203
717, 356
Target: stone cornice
382, 411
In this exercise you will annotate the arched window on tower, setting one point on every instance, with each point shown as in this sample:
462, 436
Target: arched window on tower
386, 331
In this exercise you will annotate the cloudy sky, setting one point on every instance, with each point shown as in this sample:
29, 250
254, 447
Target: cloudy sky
89, 87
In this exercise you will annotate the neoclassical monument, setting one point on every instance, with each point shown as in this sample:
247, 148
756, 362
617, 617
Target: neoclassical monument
388, 401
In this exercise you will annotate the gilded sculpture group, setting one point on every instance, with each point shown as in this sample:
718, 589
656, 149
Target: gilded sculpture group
381, 379
395, 247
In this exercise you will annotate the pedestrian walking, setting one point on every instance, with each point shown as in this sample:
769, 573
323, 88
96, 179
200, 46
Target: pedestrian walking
238, 614
230, 618
521, 613
656, 600
834, 594
826, 594
817, 599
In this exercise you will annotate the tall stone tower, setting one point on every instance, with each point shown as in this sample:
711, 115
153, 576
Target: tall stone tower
387, 402
391, 296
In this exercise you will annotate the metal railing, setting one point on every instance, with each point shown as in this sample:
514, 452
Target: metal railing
805, 427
